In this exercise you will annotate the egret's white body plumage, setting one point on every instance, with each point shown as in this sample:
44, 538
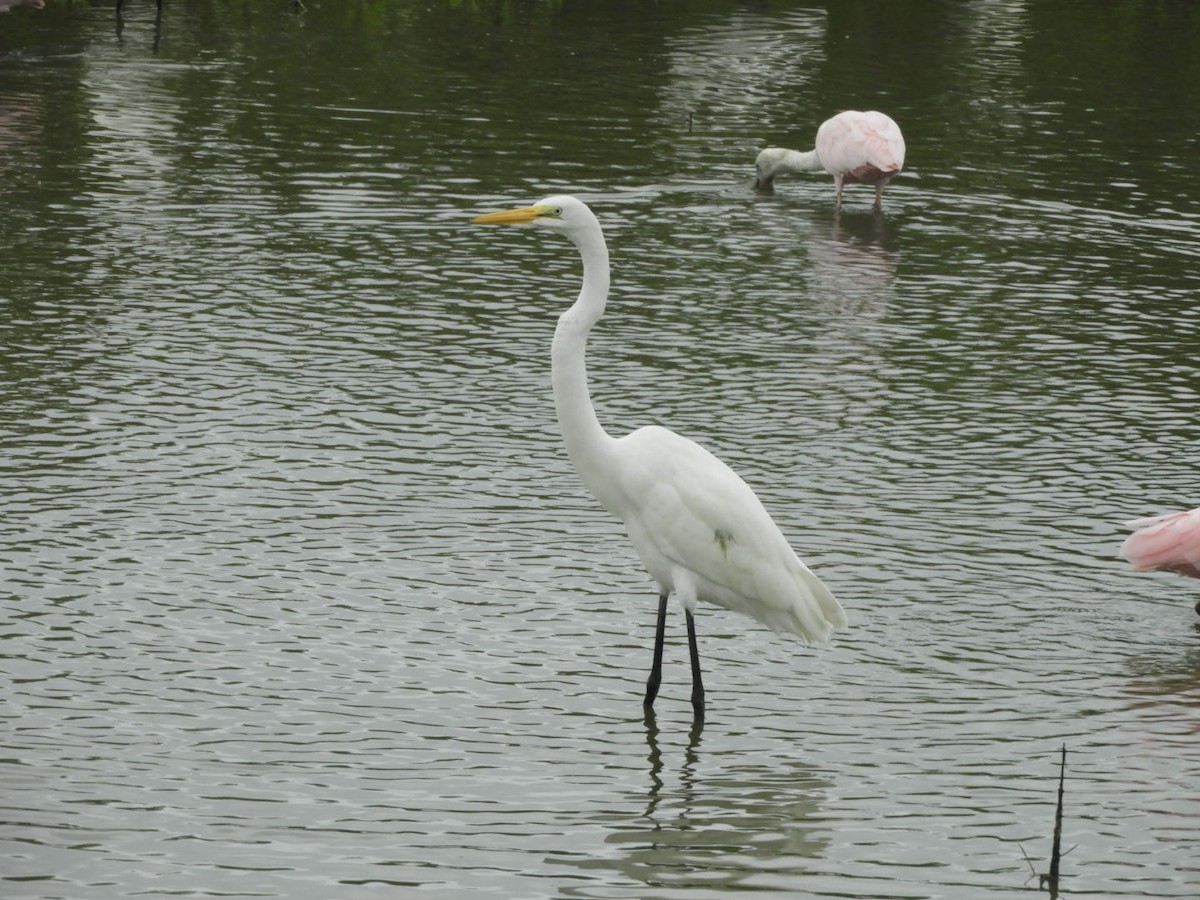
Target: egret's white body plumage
703, 534
696, 525
854, 147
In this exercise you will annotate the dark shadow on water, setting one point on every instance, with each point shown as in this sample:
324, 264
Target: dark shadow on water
866, 228
1163, 690
158, 24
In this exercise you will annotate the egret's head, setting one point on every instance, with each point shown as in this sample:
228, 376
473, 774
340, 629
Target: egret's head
766, 167
560, 213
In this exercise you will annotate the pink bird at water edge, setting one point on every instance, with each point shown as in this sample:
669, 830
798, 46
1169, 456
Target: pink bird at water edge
6, 5
1167, 543
854, 147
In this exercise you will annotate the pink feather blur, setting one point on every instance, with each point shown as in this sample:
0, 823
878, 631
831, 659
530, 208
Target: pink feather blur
1169, 543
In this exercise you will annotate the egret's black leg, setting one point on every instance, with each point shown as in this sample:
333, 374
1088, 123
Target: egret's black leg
697, 683
655, 678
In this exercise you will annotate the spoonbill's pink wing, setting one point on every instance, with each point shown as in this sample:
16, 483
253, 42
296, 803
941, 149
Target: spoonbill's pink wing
1169, 542
855, 142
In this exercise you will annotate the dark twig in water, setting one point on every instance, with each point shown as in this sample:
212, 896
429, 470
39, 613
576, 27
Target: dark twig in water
1049, 879
1033, 871
1056, 850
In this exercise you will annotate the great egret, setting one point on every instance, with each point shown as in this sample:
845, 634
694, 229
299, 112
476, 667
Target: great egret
854, 147
698, 528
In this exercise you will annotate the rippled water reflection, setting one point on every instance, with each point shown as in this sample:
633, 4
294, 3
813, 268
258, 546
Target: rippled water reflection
302, 598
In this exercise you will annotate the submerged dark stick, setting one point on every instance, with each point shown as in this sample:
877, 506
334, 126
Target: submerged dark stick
1056, 849
1050, 879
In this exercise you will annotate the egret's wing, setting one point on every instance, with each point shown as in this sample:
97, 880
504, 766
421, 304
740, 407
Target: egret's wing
700, 515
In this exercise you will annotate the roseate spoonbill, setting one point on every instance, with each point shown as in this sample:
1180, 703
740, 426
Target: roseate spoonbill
1168, 543
6, 5
696, 525
854, 147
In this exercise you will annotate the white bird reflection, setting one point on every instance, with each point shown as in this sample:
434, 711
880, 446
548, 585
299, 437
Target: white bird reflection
850, 261
711, 826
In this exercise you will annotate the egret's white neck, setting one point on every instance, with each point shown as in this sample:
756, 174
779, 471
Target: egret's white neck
585, 438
